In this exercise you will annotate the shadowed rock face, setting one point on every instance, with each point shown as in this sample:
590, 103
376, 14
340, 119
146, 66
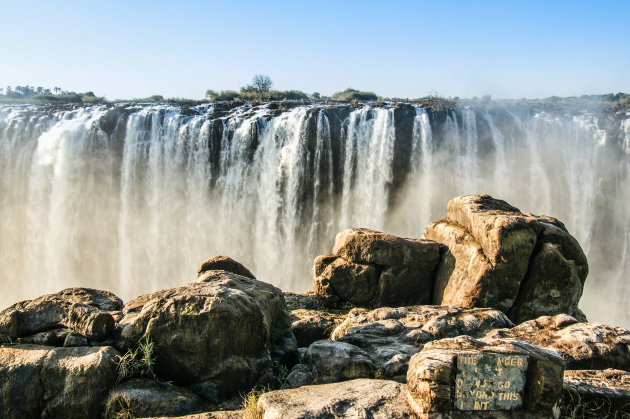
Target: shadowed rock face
148, 398
370, 268
221, 333
40, 381
521, 264
605, 392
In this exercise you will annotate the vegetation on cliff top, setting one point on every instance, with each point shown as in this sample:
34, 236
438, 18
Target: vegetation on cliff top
260, 90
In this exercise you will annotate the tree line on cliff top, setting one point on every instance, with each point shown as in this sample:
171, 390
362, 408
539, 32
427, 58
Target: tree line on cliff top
260, 90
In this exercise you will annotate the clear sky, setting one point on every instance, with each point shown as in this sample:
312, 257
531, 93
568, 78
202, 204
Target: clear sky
509, 49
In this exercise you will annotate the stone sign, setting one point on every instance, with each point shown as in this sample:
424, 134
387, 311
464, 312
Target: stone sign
490, 381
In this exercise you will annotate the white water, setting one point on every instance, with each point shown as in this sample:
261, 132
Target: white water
138, 213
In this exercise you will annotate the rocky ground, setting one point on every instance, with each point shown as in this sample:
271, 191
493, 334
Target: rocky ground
386, 332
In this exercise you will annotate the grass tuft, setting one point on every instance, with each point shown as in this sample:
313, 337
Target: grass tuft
137, 363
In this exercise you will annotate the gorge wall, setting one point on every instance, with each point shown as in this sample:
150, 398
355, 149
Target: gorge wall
130, 198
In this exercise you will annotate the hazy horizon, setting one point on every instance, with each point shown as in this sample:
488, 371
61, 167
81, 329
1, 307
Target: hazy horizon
405, 49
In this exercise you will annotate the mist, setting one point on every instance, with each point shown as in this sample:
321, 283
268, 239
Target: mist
132, 198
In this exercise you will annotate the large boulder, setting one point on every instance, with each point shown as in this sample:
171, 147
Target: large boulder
40, 381
219, 335
333, 361
437, 379
87, 311
582, 345
521, 264
142, 397
361, 398
370, 268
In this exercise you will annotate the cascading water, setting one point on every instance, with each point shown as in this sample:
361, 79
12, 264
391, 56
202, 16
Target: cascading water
132, 198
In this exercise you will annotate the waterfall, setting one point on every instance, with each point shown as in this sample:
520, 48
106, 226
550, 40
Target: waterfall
131, 198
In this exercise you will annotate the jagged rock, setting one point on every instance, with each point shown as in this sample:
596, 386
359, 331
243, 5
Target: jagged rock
521, 264
332, 361
582, 345
41, 381
312, 325
84, 310
391, 335
224, 263
222, 332
370, 268
601, 393
361, 398
143, 398
431, 375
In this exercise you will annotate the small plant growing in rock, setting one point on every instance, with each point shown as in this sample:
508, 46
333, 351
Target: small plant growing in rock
138, 362
5, 340
281, 374
250, 403
121, 409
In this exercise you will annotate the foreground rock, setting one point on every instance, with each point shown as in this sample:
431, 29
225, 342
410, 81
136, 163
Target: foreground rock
380, 342
218, 336
143, 398
370, 268
40, 381
521, 264
459, 375
599, 393
84, 310
582, 345
350, 399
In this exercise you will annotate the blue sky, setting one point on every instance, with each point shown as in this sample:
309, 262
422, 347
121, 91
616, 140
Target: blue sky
124, 49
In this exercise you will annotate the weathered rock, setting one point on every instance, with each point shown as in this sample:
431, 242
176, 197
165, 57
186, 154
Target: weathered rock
370, 268
361, 245
391, 335
431, 376
222, 414
300, 375
361, 398
601, 393
224, 263
223, 332
84, 310
40, 381
582, 345
143, 398
333, 361
305, 301
312, 325
521, 264
341, 281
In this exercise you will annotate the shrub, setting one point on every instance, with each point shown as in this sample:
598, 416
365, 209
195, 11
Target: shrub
250, 403
350, 94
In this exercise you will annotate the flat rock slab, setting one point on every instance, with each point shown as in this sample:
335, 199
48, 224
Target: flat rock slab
582, 345
606, 392
363, 398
